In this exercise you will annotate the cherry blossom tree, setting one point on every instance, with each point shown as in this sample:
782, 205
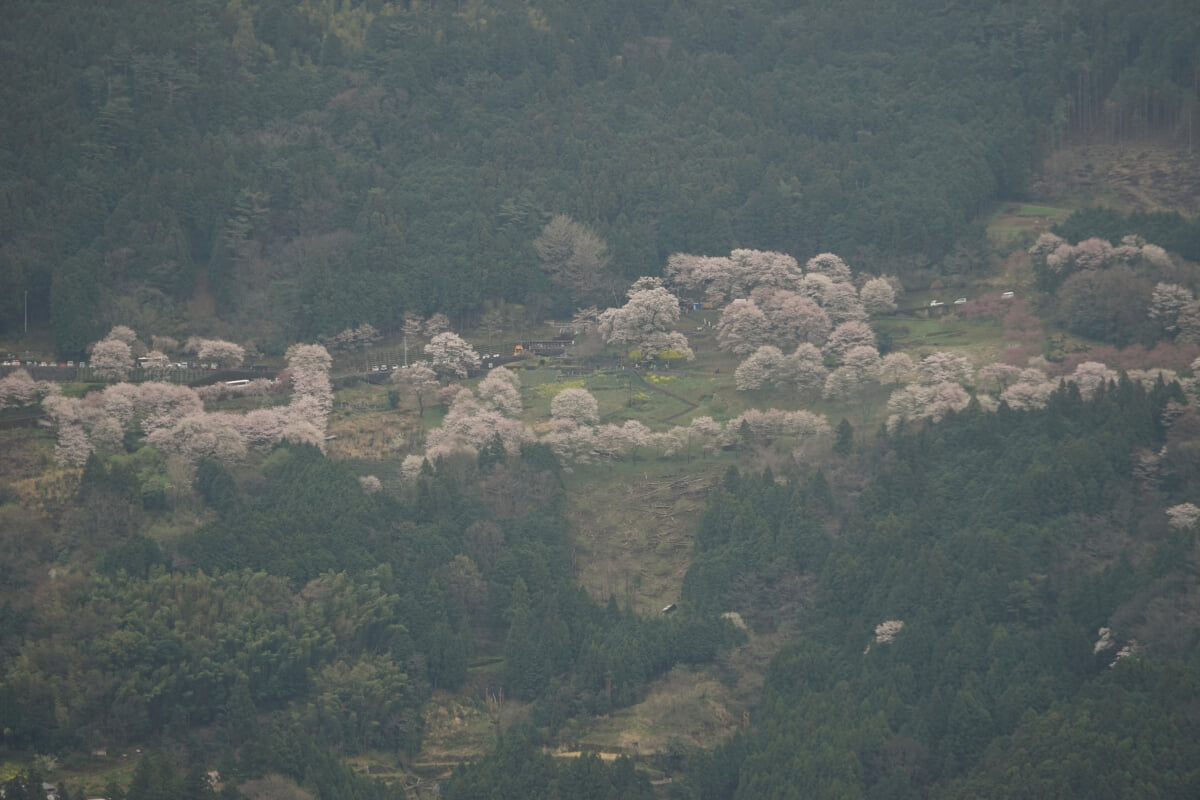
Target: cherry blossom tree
574, 257
756, 268
364, 335
20, 389
847, 383
735, 276
764, 366
501, 390
1184, 515
225, 354
123, 333
585, 319
612, 442
829, 265
420, 379
1060, 260
312, 393
73, 418
302, 431
608, 443
1149, 378
793, 317
776, 422
370, 484
446, 394
1093, 253
571, 443
450, 354
111, 359
411, 467
895, 368
1167, 303
106, 434
1188, 323
997, 377
805, 368
944, 366
700, 275
123, 402
1028, 393
161, 405
878, 296
925, 401
635, 435
816, 286
308, 358
577, 405
1156, 256
437, 323
1046, 244
1090, 376
468, 424
841, 303
165, 344
72, 446
17, 389
846, 336
670, 443
742, 328
707, 432
261, 427
312, 409
644, 322
201, 436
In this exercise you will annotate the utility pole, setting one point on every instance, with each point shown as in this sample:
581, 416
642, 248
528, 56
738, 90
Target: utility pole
27, 311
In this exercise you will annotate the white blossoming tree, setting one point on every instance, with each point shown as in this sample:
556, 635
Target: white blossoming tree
111, 359
501, 390
420, 379
577, 405
763, 367
644, 322
451, 355
878, 296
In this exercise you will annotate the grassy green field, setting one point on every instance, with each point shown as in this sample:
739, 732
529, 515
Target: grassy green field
1018, 224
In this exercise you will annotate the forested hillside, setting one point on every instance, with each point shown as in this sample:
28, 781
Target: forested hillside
272, 172
957, 640
748, 519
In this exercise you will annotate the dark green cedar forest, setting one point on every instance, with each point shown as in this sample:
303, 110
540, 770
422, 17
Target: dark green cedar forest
283, 172
276, 172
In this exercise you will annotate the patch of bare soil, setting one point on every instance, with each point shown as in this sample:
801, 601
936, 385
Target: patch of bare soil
632, 535
458, 729
1131, 176
369, 434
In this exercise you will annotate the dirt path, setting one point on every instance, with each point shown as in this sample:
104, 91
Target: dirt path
690, 405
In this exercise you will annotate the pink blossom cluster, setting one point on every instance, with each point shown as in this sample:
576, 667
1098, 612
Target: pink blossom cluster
925, 401
18, 388
355, 338
776, 422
